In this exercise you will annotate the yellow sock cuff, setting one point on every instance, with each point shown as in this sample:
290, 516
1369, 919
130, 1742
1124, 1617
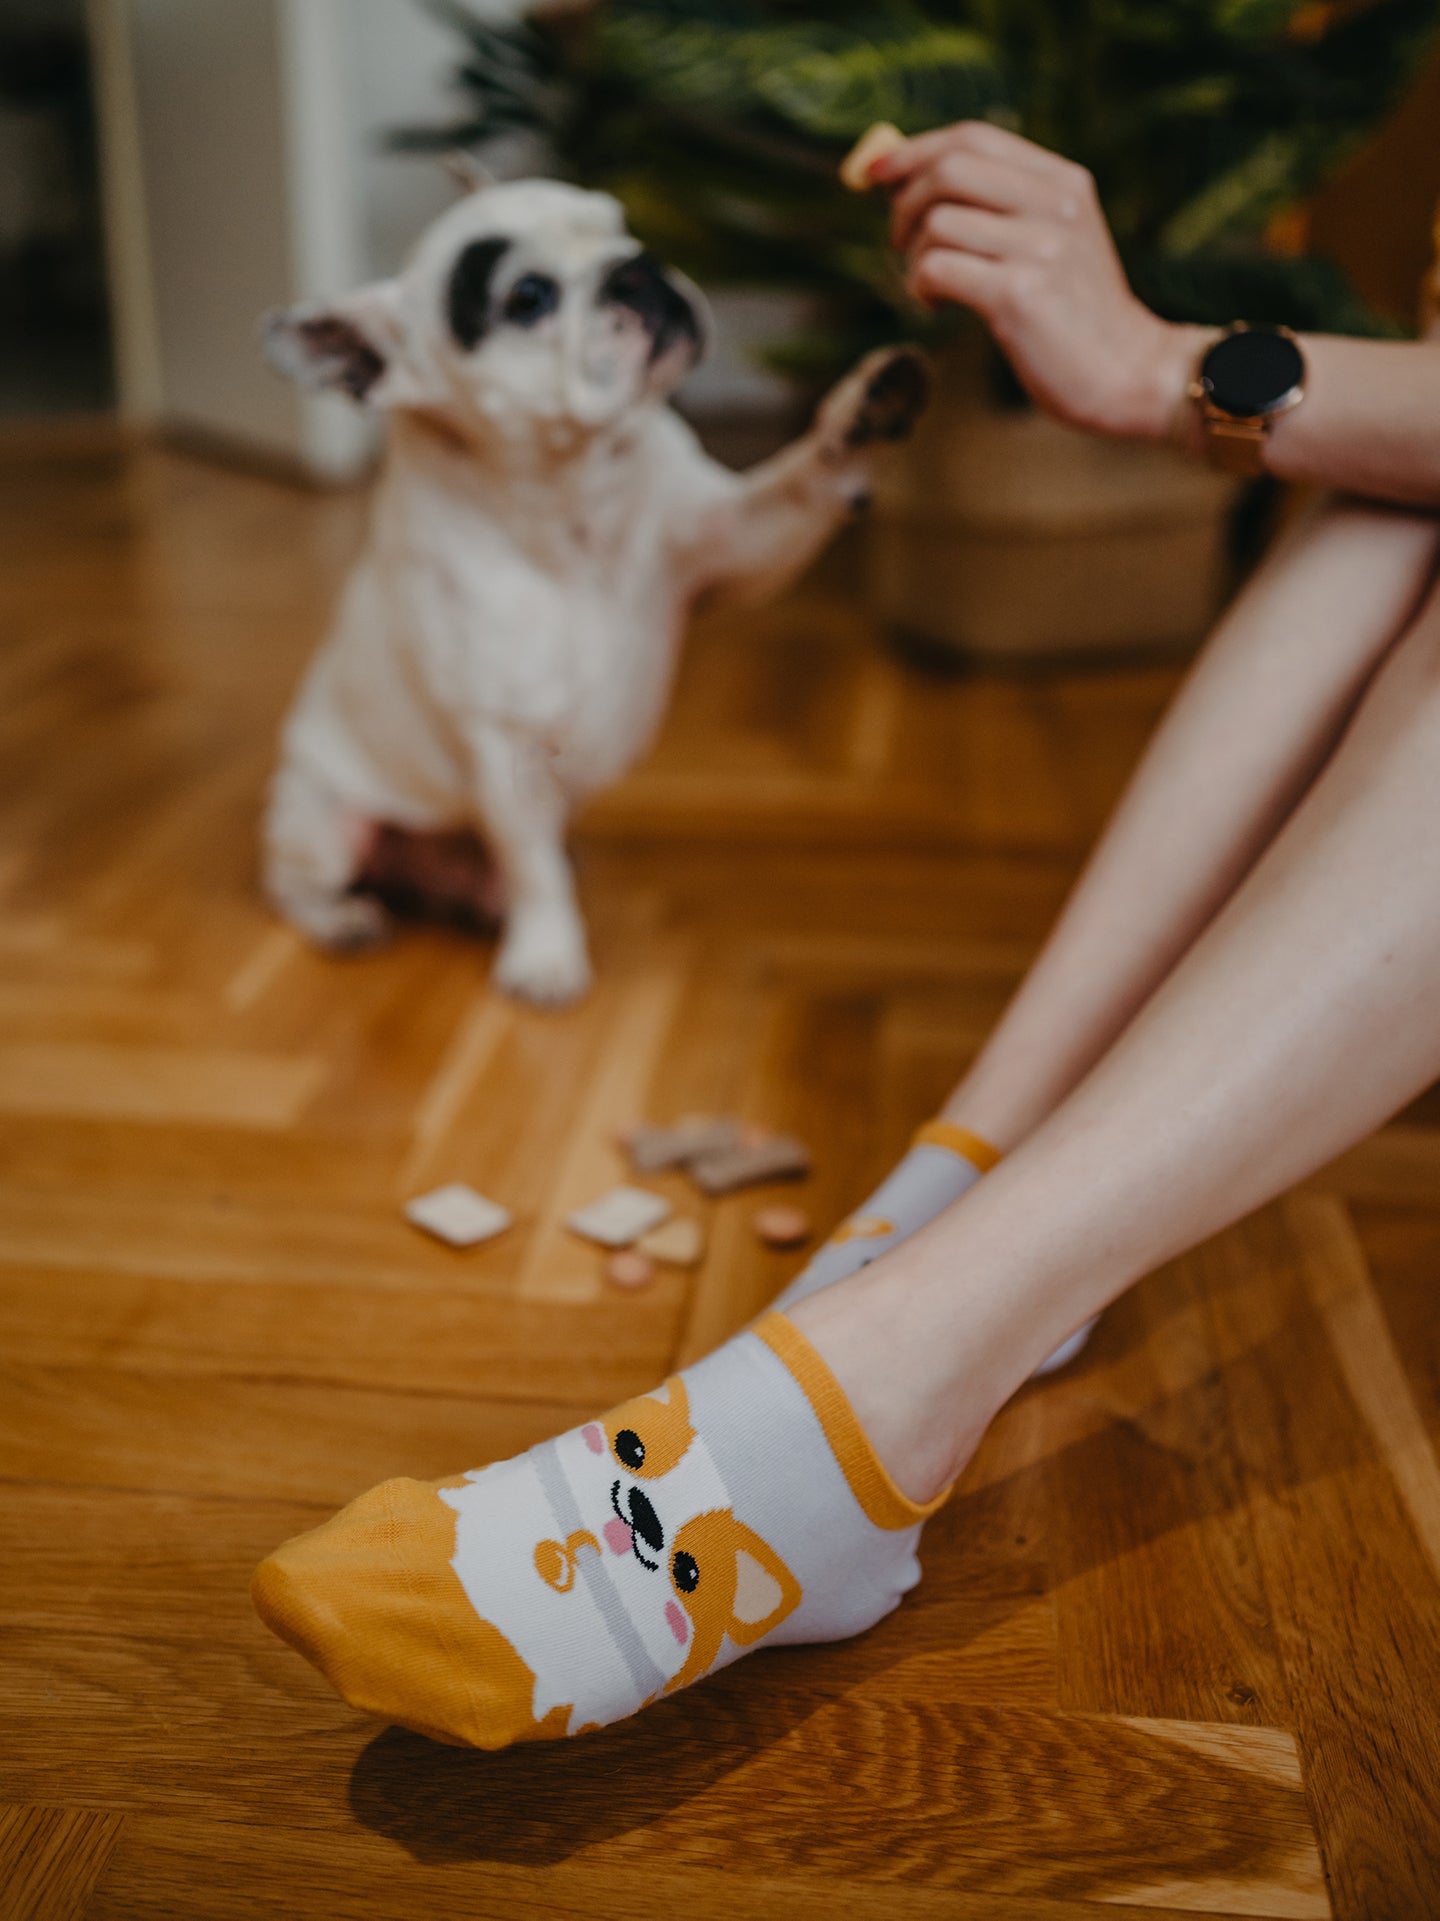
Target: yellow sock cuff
959, 1140
869, 1479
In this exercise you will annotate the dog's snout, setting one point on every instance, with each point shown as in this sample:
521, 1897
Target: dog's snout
645, 1521
641, 283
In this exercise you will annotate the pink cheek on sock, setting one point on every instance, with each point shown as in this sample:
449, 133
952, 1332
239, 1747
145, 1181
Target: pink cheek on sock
593, 1438
618, 1538
677, 1623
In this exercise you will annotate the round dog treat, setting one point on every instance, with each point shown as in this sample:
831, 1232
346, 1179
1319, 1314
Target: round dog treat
872, 145
781, 1226
628, 1269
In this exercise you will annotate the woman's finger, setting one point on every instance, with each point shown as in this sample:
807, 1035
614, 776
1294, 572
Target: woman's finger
966, 278
971, 229
976, 137
966, 178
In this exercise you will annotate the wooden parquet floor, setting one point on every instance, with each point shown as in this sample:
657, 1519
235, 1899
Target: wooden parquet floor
1178, 1646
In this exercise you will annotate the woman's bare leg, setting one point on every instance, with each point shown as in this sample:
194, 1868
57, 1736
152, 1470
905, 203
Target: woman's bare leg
1247, 734
1245, 737
1303, 1017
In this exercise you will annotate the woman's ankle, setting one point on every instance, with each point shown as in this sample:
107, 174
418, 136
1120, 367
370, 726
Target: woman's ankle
924, 1414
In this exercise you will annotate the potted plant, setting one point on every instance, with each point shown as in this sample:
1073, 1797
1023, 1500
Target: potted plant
1207, 124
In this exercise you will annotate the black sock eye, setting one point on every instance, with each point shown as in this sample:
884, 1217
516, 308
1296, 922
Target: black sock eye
532, 297
630, 1449
684, 1572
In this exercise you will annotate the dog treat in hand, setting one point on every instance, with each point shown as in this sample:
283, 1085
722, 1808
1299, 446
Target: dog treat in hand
619, 1217
653, 1148
629, 1268
773, 1157
872, 145
782, 1226
458, 1215
679, 1243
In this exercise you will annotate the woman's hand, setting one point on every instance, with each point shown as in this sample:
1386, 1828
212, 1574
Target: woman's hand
996, 223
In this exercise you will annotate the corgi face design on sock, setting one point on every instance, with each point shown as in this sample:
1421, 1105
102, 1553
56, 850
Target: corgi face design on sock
613, 1563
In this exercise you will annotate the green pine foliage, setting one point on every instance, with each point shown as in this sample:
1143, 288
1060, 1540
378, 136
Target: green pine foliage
719, 123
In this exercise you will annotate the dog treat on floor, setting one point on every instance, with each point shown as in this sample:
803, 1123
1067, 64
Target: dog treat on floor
781, 1226
872, 145
458, 1214
630, 1268
619, 1217
739, 1505
679, 1243
773, 1157
651, 1148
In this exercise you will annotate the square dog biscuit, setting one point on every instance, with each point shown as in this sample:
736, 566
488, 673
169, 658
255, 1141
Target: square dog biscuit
458, 1215
619, 1217
678, 1243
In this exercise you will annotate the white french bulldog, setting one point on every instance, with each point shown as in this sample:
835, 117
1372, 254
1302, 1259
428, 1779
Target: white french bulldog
542, 526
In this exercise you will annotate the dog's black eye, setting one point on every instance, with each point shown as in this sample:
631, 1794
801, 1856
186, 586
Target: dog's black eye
685, 1572
532, 297
630, 1449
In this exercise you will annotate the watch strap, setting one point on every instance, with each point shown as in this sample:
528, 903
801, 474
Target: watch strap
1233, 445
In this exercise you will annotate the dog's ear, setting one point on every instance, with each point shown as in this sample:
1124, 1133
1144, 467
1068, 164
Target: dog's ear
352, 344
669, 305
648, 1436
694, 342
468, 172
728, 1581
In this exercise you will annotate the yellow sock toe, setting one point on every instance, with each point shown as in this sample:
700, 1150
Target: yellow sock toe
371, 1599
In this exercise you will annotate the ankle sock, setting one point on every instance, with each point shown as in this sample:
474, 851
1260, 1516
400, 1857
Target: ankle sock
739, 1505
944, 1162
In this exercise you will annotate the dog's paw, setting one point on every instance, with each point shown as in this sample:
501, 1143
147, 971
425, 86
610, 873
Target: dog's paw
879, 401
543, 961
896, 385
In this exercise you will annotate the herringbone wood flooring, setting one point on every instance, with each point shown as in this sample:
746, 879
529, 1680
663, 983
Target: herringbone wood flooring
1177, 1644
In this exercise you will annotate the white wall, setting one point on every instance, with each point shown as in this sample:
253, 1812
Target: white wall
402, 58
242, 172
212, 149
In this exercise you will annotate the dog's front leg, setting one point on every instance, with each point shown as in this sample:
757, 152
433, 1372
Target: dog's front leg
773, 523
523, 811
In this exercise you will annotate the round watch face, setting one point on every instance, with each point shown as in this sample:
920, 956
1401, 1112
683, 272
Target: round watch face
1250, 373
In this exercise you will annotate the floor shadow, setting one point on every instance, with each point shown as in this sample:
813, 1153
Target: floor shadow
535, 1806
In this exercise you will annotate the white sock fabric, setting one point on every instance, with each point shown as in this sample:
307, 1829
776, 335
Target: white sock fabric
740, 1505
944, 1162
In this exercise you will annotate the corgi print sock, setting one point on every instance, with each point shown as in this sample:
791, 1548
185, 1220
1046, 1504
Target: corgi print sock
739, 1505
944, 1162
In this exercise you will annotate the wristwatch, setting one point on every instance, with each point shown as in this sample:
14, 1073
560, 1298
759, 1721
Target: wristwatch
1244, 382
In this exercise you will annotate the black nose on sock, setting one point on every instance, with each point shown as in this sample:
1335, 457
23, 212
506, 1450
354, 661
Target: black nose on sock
645, 1521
